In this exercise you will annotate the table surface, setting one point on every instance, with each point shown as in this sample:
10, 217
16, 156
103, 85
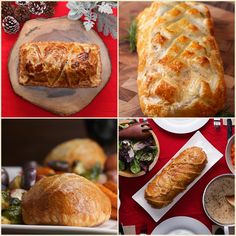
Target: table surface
191, 203
103, 105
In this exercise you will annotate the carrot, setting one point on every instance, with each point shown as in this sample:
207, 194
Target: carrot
45, 171
112, 196
112, 186
114, 213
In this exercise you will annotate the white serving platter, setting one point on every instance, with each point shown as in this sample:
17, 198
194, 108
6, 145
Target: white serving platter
109, 227
181, 125
213, 155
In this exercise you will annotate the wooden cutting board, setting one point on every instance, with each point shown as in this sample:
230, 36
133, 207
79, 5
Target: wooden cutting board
61, 101
128, 97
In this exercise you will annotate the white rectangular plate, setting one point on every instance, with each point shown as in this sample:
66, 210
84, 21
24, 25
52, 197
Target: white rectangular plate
109, 227
213, 155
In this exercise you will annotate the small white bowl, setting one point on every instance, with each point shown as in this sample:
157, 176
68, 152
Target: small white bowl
228, 154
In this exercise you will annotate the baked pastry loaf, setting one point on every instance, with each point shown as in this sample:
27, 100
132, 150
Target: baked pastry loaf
66, 199
175, 177
180, 71
87, 151
60, 64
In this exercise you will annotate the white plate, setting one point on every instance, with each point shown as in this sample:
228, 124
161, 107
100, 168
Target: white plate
213, 155
181, 225
109, 227
181, 125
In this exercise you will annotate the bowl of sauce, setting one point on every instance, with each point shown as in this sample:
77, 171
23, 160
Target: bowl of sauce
216, 207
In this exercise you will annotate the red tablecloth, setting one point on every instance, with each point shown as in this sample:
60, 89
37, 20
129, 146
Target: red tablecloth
104, 104
189, 205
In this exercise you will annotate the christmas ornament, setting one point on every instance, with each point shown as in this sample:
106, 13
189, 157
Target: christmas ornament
7, 9
22, 13
37, 8
10, 25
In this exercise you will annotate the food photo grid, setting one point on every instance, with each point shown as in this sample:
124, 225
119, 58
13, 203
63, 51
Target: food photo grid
118, 117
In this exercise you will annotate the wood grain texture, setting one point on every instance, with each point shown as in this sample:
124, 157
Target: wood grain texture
128, 97
61, 101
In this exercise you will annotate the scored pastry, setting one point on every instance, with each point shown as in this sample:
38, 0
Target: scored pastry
87, 151
175, 177
60, 64
180, 71
66, 199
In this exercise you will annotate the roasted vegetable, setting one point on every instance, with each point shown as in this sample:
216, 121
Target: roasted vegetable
17, 193
78, 168
30, 164
4, 220
59, 165
5, 178
16, 182
5, 200
93, 173
13, 214
28, 178
45, 171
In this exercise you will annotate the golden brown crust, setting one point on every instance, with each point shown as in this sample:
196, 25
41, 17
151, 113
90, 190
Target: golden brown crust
175, 177
180, 70
87, 151
66, 199
60, 64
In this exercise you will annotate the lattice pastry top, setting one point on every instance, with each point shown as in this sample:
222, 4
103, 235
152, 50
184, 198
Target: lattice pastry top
180, 70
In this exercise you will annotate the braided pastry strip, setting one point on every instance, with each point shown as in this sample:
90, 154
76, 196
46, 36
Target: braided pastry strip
175, 177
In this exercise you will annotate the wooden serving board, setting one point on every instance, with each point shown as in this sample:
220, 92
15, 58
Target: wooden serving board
62, 101
128, 97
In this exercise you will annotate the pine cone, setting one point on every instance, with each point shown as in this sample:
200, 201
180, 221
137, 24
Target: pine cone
22, 13
49, 11
10, 25
22, 3
37, 8
52, 3
7, 9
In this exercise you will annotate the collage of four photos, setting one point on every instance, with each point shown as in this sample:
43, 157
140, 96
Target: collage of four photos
118, 117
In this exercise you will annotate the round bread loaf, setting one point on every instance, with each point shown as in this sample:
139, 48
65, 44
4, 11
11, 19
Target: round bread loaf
85, 150
66, 199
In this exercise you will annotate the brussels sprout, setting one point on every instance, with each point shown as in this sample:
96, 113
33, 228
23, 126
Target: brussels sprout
5, 200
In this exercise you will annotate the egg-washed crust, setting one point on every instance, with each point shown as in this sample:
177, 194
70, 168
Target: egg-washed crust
60, 64
180, 71
66, 199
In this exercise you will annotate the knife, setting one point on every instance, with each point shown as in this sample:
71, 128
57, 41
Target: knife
229, 128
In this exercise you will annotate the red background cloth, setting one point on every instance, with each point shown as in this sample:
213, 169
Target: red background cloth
191, 203
103, 105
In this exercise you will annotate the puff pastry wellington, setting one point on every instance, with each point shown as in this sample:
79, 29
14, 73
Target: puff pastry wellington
180, 71
66, 199
87, 151
60, 64
175, 177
